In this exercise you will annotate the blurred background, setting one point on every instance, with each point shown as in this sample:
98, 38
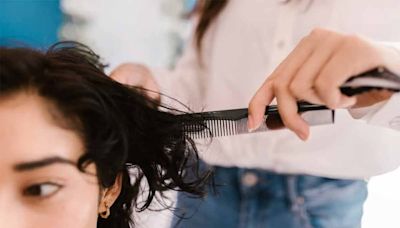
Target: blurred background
152, 32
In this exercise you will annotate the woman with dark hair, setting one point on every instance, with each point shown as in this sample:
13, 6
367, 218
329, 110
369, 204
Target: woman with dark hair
273, 179
77, 147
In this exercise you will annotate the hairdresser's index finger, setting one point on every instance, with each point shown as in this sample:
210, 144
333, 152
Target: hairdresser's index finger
258, 104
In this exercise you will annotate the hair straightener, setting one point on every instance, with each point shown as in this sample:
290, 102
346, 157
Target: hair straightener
234, 122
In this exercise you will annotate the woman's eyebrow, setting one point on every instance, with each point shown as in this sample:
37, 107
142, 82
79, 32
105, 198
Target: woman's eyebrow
28, 166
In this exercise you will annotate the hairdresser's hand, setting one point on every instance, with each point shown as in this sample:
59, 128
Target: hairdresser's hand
137, 75
314, 71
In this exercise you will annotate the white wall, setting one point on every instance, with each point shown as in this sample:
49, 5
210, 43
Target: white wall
382, 209
145, 31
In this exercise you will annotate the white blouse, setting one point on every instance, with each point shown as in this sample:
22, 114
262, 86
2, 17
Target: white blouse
246, 42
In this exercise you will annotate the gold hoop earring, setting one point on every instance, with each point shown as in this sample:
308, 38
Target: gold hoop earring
105, 213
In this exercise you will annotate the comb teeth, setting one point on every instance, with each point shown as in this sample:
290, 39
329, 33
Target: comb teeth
220, 128
212, 128
234, 122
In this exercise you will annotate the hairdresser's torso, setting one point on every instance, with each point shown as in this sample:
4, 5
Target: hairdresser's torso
247, 41
250, 38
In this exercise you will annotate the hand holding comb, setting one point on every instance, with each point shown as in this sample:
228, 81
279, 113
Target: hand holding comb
233, 122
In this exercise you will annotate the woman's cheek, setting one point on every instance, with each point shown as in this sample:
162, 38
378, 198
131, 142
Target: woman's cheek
83, 205
75, 207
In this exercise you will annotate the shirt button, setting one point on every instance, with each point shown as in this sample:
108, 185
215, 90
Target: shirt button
395, 123
300, 200
280, 44
249, 179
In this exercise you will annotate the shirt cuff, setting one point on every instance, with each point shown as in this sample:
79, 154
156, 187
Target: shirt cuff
385, 114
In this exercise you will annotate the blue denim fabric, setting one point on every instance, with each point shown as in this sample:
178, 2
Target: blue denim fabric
248, 198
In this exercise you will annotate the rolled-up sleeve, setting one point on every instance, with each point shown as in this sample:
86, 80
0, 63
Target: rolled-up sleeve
385, 114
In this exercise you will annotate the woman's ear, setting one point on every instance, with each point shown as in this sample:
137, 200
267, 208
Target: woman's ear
109, 196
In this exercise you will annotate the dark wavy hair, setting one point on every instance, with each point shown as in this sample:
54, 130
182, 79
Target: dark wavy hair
122, 129
208, 11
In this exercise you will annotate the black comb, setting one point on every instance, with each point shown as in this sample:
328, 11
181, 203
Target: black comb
234, 122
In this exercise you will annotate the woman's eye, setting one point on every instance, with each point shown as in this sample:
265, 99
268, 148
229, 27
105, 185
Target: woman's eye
42, 190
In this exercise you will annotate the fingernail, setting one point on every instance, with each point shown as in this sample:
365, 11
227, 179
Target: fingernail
254, 128
250, 130
303, 133
250, 123
348, 103
303, 136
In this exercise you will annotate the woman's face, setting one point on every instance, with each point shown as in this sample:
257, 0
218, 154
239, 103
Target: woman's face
40, 185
